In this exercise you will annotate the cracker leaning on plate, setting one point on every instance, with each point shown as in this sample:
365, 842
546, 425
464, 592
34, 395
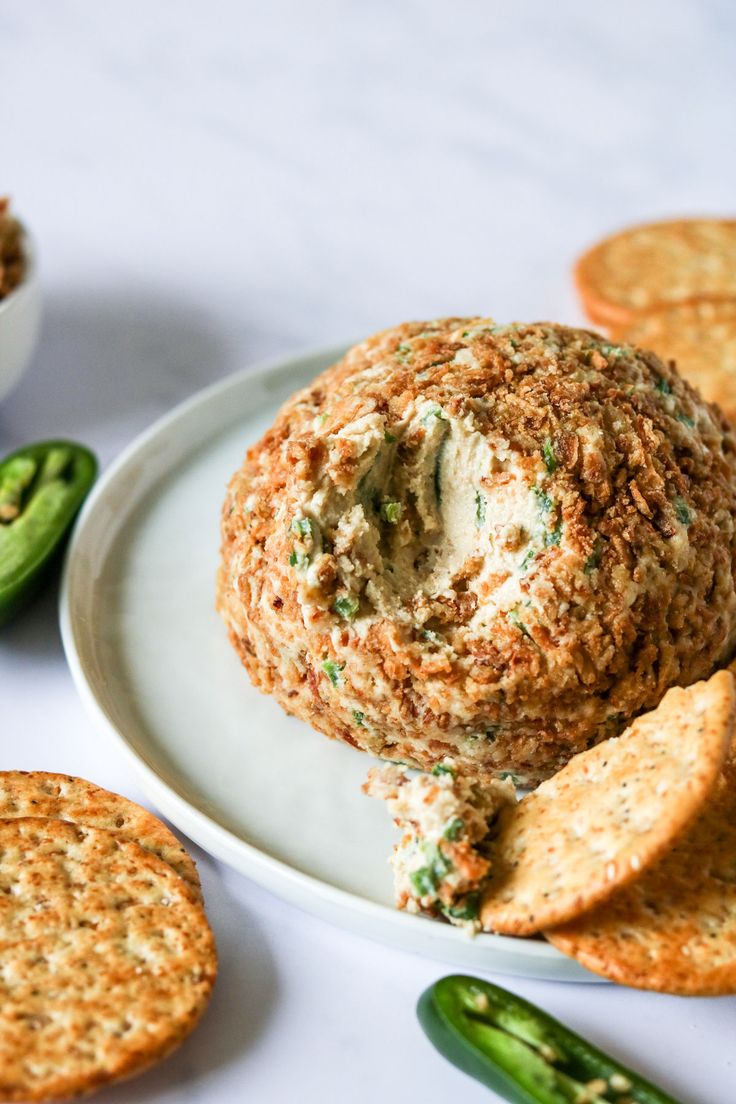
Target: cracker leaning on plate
108, 961
610, 813
656, 265
674, 929
700, 338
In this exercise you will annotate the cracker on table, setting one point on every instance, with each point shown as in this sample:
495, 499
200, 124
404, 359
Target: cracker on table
657, 264
107, 959
43, 794
610, 813
674, 929
700, 338
54, 873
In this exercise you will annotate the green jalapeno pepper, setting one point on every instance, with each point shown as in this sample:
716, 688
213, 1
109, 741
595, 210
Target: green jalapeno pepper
520, 1052
41, 488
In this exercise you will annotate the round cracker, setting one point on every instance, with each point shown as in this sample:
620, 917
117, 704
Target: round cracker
655, 265
674, 929
43, 794
700, 338
54, 873
107, 959
610, 813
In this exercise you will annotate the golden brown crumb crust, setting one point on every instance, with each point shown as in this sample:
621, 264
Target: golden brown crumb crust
633, 592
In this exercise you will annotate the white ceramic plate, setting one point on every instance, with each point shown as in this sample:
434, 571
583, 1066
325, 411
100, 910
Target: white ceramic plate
150, 657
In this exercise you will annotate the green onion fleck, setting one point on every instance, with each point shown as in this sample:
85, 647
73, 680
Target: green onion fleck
553, 536
426, 879
683, 512
545, 502
469, 909
424, 882
546, 506
388, 437
453, 829
524, 565
437, 477
391, 512
332, 670
436, 412
346, 607
593, 559
685, 419
442, 768
515, 620
480, 509
663, 386
548, 453
300, 560
302, 527
358, 717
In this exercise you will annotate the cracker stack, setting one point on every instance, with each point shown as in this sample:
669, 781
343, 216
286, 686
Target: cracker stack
626, 859
107, 959
670, 287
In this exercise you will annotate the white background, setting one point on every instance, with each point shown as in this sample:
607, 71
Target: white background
212, 183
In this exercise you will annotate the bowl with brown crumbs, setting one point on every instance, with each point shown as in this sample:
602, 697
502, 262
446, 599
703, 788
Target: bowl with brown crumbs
20, 298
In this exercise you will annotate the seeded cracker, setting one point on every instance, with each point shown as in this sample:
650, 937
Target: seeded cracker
610, 814
674, 929
42, 794
656, 265
107, 959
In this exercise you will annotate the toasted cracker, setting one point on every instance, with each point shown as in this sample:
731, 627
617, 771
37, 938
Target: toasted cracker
700, 338
107, 958
674, 929
610, 813
655, 265
42, 794
54, 873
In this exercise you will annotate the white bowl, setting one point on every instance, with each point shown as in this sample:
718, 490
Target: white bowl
20, 317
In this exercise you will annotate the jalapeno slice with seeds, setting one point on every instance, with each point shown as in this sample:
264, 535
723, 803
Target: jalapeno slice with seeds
520, 1052
42, 487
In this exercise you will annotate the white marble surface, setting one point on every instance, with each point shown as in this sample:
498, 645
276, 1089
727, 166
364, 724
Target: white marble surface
214, 183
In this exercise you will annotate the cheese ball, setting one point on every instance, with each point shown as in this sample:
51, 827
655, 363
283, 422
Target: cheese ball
497, 543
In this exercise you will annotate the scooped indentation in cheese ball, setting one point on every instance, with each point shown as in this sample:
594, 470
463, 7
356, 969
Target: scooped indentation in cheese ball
497, 543
409, 522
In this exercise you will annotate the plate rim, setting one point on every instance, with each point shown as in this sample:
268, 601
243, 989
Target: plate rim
544, 960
